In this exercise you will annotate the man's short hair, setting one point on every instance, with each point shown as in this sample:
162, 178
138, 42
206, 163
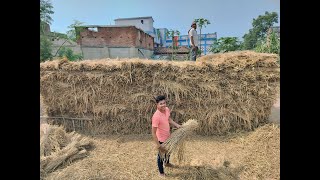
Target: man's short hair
160, 98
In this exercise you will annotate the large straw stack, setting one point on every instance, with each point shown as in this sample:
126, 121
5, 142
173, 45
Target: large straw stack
227, 93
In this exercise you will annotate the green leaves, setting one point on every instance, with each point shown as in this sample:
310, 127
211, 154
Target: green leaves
201, 22
45, 38
46, 11
171, 33
74, 32
259, 29
226, 44
68, 53
45, 49
270, 44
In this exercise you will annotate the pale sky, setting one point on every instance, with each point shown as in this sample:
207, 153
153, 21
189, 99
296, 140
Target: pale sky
229, 18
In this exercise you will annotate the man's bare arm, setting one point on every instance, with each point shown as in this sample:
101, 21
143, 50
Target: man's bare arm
154, 136
174, 123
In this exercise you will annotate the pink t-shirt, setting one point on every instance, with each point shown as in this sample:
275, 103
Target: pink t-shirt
161, 121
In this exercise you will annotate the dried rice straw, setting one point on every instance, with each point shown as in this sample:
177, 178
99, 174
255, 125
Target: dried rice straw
177, 138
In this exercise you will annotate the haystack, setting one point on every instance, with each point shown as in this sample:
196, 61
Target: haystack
235, 92
59, 148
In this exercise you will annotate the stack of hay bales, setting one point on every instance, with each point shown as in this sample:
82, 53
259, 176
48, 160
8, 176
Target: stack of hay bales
225, 93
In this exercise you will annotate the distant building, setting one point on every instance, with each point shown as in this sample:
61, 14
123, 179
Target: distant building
123, 41
183, 40
160, 34
144, 23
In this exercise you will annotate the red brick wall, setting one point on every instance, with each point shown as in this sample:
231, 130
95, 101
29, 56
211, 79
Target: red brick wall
145, 41
116, 37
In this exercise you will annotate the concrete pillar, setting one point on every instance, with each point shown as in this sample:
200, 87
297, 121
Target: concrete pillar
133, 52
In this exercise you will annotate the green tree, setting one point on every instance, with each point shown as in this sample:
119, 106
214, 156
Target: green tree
69, 54
226, 44
171, 33
269, 45
201, 22
45, 19
45, 14
259, 29
45, 38
73, 33
45, 49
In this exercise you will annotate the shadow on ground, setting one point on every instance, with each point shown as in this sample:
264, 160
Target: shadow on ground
207, 172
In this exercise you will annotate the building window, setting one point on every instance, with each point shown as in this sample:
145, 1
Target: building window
141, 21
94, 29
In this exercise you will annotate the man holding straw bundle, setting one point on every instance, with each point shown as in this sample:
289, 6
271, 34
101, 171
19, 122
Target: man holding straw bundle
161, 121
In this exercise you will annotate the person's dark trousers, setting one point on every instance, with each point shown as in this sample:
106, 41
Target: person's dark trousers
160, 162
194, 53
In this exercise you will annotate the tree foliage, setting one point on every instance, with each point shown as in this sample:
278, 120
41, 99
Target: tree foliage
226, 44
46, 11
269, 45
45, 38
74, 31
45, 14
201, 22
69, 54
259, 29
171, 33
45, 49
45, 19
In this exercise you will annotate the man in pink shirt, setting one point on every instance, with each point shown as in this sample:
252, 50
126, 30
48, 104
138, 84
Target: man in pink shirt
161, 129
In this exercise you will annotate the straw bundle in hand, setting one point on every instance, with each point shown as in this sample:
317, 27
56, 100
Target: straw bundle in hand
176, 140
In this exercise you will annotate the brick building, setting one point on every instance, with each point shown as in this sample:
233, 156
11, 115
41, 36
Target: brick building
144, 23
123, 41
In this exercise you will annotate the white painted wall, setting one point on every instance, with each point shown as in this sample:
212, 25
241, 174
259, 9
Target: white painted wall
147, 25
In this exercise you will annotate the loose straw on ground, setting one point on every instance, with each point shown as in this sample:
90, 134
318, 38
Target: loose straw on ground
177, 138
59, 148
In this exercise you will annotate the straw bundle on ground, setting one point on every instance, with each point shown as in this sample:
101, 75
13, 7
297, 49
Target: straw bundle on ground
58, 148
235, 92
207, 172
177, 138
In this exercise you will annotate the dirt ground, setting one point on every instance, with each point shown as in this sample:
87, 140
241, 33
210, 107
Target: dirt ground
236, 156
245, 156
